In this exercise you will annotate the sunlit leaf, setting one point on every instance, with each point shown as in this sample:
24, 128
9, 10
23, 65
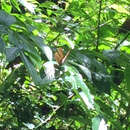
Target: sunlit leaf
77, 82
120, 8
84, 69
6, 6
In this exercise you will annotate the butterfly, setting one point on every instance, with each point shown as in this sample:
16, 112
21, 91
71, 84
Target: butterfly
59, 56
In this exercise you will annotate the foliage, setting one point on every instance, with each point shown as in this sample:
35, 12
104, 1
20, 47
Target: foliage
87, 88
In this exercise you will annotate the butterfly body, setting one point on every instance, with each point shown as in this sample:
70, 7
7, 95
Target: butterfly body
59, 56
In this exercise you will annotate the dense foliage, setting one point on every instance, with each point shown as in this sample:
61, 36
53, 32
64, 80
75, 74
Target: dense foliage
64, 64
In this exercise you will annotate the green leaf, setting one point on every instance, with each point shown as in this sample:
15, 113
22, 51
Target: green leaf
6, 19
28, 47
15, 4
6, 6
90, 62
25, 44
47, 4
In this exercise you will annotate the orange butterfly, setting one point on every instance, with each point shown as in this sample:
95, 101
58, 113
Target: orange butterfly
59, 56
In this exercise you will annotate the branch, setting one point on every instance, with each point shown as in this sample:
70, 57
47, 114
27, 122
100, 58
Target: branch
116, 47
98, 27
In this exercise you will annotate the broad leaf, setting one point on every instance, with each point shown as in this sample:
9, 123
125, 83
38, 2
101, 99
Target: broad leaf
84, 69
34, 74
111, 55
11, 53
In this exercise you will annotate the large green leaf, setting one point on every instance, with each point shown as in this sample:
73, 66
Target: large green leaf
111, 55
84, 69
90, 62
11, 53
6, 19
23, 43
102, 82
34, 74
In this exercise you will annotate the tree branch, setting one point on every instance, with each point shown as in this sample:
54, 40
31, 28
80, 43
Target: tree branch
116, 47
98, 27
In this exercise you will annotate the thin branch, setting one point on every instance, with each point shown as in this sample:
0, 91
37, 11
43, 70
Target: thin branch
50, 42
48, 119
98, 27
44, 122
116, 47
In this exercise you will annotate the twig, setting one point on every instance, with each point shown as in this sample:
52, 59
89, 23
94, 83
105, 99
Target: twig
54, 39
48, 119
116, 47
98, 27
43, 122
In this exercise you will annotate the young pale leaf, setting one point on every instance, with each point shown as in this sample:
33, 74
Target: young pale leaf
30, 126
98, 123
29, 6
6, 19
49, 70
